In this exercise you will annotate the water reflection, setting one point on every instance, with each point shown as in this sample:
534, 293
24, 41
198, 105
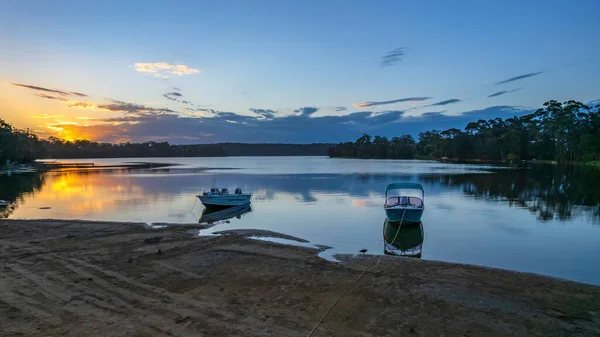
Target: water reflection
551, 192
503, 215
211, 215
15, 187
403, 240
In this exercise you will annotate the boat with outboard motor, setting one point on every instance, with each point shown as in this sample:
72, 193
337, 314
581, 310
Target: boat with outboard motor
223, 198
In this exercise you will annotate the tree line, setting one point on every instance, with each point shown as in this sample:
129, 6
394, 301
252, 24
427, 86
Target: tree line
18, 145
22, 146
564, 132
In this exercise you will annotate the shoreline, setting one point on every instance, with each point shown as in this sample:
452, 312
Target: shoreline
95, 278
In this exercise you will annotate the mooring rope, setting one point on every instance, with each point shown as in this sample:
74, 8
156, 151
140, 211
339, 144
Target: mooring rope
358, 278
190, 211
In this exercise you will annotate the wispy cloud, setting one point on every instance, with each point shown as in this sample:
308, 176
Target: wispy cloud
306, 111
400, 100
500, 93
173, 96
132, 108
47, 116
54, 91
82, 105
163, 69
50, 97
178, 97
520, 77
265, 113
118, 106
392, 57
340, 108
446, 102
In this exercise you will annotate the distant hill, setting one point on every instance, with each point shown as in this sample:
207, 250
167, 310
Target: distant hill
242, 149
56, 148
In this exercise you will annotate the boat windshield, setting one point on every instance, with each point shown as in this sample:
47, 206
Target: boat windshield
404, 201
405, 192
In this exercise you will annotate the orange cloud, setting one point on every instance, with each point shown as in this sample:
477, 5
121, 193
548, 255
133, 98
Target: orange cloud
83, 105
400, 100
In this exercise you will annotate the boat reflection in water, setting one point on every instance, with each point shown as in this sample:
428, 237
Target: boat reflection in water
405, 240
215, 214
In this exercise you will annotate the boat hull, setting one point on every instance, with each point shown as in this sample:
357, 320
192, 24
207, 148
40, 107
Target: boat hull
224, 200
406, 215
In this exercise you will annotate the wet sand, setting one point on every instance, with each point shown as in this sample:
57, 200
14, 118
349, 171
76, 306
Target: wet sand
82, 278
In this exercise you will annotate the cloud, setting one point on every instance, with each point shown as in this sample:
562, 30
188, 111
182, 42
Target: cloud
178, 97
175, 88
266, 113
400, 100
307, 111
54, 91
47, 116
446, 102
392, 57
179, 129
464, 91
432, 114
340, 108
50, 97
118, 106
174, 96
500, 93
520, 77
161, 69
232, 127
81, 105
132, 108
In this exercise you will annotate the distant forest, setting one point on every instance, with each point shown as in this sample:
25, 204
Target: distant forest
564, 132
20, 146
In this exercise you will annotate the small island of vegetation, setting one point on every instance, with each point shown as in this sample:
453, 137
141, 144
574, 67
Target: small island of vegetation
563, 132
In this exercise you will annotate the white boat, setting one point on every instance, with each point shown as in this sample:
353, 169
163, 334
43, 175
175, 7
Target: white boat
216, 197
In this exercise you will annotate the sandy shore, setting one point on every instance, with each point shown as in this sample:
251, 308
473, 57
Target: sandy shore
84, 278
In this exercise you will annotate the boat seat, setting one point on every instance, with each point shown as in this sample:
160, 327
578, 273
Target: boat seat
404, 201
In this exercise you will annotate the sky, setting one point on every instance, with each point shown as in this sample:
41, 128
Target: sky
287, 71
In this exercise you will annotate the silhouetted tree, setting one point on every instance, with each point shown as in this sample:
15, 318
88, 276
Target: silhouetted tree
568, 131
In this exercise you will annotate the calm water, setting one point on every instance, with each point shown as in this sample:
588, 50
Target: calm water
544, 220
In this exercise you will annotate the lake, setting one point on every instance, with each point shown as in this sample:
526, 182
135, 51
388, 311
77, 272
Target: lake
543, 219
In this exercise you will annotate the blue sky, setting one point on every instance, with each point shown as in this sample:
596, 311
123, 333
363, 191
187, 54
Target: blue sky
283, 56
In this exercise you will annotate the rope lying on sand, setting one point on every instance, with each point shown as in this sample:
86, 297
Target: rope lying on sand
355, 281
